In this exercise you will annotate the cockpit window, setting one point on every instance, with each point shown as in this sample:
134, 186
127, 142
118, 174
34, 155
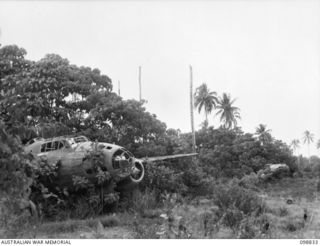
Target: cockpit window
102, 146
58, 145
30, 142
34, 140
43, 147
50, 146
80, 139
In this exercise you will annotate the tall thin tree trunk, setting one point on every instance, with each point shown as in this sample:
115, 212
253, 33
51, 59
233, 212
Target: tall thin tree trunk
119, 88
140, 96
191, 112
309, 152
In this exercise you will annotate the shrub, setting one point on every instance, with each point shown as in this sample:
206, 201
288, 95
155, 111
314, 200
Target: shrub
283, 211
234, 196
184, 177
209, 221
146, 200
250, 181
293, 226
247, 229
161, 179
110, 221
236, 204
198, 182
145, 229
16, 177
307, 169
232, 218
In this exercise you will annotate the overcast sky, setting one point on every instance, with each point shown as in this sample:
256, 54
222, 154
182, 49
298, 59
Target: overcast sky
264, 53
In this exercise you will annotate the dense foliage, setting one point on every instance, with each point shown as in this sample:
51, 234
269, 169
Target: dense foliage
232, 153
16, 178
52, 97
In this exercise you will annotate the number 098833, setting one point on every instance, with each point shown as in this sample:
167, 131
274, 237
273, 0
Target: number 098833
308, 242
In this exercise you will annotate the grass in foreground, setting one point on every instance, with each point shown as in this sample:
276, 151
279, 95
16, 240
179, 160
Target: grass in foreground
201, 218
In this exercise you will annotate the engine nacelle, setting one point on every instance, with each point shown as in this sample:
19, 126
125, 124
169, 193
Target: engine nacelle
137, 174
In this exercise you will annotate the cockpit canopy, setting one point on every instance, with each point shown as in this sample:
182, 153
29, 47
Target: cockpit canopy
41, 145
54, 145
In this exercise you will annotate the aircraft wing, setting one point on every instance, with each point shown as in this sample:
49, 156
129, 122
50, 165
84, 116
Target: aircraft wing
167, 157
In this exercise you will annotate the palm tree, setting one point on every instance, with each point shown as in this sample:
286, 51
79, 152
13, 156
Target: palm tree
228, 113
308, 138
263, 134
295, 144
204, 125
205, 99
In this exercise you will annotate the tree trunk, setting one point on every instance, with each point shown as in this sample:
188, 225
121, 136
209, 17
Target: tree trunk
309, 153
140, 96
191, 112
